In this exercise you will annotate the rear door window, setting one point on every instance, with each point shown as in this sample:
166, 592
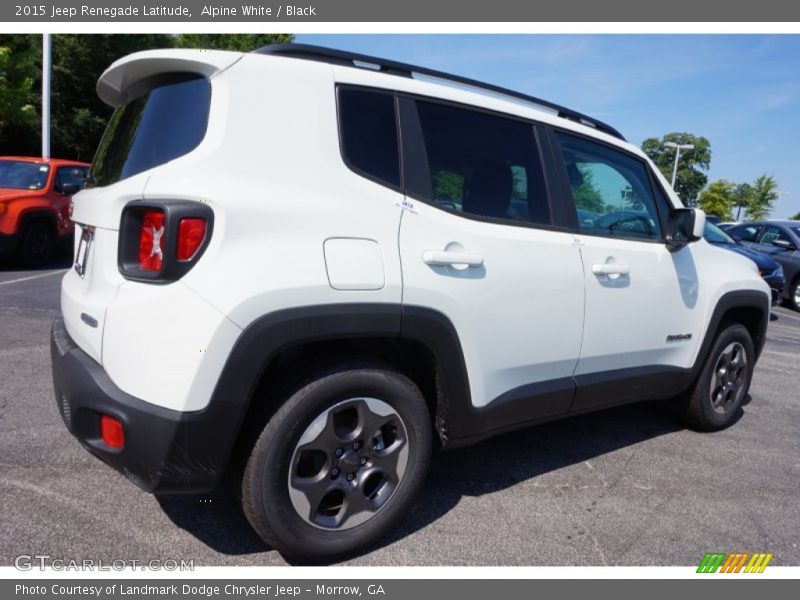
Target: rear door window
474, 163
165, 122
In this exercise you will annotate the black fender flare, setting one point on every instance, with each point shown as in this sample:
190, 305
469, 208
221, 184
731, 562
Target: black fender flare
738, 299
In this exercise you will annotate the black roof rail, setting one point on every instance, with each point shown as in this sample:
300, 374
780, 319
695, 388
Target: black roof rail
391, 67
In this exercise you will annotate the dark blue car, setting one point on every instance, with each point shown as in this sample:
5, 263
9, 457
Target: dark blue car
771, 271
781, 241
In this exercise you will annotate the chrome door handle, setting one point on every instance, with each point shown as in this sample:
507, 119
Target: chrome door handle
443, 258
611, 269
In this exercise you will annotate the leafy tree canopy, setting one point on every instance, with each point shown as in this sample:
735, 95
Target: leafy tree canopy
762, 197
718, 199
78, 116
241, 42
692, 166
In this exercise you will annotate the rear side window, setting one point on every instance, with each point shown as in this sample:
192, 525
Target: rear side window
745, 233
368, 131
70, 176
474, 163
167, 121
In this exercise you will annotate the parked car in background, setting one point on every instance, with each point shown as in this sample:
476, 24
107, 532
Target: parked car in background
34, 205
781, 240
770, 270
713, 220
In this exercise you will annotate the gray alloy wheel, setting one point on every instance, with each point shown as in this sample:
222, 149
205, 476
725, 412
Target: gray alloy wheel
729, 378
714, 400
347, 463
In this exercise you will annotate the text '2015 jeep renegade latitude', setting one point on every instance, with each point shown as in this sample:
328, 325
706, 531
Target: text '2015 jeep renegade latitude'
308, 268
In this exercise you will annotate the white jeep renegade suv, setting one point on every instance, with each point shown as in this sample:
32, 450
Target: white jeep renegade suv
310, 268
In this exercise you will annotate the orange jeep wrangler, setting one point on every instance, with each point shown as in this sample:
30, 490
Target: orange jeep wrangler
34, 205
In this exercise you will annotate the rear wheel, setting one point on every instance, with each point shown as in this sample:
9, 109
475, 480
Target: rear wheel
338, 464
36, 245
724, 382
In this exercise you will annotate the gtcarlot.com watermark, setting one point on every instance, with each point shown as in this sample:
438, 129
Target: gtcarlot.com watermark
42, 562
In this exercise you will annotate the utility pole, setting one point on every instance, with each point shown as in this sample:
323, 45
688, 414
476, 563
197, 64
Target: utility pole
46, 69
678, 148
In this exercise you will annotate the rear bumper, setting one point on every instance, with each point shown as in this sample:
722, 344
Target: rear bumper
165, 451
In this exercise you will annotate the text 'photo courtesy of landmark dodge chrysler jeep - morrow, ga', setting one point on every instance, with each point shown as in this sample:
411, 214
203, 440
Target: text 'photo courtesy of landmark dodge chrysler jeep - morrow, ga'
309, 269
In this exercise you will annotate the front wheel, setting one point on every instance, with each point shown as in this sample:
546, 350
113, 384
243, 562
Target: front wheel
338, 464
794, 295
724, 382
36, 245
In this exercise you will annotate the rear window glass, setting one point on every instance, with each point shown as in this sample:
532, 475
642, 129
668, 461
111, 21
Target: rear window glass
162, 124
368, 131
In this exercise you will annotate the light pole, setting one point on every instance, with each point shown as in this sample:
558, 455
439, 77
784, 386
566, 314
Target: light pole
46, 95
678, 148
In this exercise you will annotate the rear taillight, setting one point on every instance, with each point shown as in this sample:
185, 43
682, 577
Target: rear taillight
151, 241
160, 241
191, 233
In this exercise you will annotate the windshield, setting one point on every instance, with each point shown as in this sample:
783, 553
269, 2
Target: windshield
715, 235
164, 123
21, 175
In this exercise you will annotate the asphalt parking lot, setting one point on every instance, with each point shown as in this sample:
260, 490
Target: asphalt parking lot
628, 486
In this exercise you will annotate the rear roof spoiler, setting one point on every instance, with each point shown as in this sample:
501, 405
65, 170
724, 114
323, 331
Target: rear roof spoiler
124, 78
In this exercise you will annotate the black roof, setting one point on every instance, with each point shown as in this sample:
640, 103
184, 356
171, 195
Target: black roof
391, 67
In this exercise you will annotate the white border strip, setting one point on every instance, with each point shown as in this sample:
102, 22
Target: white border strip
383, 573
394, 27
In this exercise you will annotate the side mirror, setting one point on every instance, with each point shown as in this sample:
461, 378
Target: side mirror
685, 225
785, 244
68, 189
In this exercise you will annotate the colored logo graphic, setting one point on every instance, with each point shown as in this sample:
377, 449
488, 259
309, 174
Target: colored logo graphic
736, 562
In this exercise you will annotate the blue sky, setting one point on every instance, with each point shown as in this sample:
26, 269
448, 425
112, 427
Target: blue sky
740, 91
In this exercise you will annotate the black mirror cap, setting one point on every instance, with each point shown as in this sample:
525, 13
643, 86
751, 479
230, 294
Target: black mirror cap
680, 229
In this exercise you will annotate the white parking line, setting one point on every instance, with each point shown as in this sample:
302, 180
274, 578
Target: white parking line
785, 315
21, 279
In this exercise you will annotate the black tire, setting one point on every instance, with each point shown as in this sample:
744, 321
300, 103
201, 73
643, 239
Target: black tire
266, 497
793, 301
36, 244
710, 408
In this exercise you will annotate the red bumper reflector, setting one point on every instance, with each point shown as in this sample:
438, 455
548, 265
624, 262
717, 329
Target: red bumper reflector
111, 432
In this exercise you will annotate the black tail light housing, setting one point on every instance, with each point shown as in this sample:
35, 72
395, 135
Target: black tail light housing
152, 228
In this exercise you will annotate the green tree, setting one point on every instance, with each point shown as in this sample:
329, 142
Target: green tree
763, 197
448, 185
796, 217
78, 116
18, 73
742, 197
692, 166
241, 42
718, 199
586, 195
